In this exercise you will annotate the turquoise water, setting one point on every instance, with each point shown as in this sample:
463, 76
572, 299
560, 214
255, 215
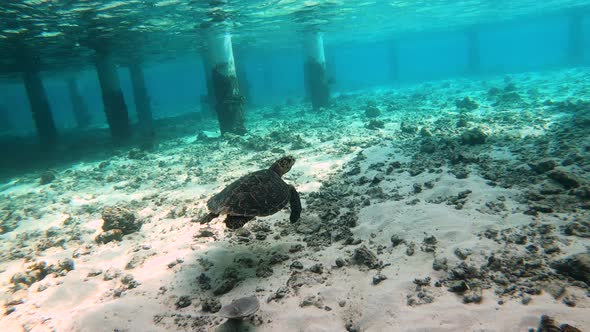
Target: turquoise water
358, 165
429, 39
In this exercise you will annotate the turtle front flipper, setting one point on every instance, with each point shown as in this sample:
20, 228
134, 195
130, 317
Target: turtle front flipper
235, 222
295, 202
207, 218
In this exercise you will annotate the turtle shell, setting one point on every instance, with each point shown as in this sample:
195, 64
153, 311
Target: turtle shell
257, 194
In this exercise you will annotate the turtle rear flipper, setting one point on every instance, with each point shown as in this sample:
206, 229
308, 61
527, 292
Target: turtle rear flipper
295, 203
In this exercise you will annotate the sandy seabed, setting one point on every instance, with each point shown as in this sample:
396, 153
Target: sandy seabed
454, 205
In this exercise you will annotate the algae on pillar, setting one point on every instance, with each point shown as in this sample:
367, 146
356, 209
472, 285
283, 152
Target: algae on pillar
112, 97
473, 55
316, 80
228, 100
142, 100
575, 46
40, 107
79, 108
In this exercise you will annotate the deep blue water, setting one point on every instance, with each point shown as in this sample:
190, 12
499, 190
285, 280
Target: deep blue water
176, 85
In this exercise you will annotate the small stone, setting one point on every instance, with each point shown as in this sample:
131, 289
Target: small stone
458, 287
129, 281
364, 256
378, 278
463, 194
417, 188
440, 264
205, 233
296, 248
462, 253
396, 240
309, 227
243, 232
225, 286
135, 261
312, 300
411, 248
340, 262
578, 228
473, 136
297, 265
352, 327
472, 295
280, 293
94, 273
570, 301
317, 268
526, 300
183, 302
342, 303
110, 235
429, 244
422, 282
47, 178
555, 289
278, 258
541, 208
544, 165
211, 304
66, 265
204, 281
576, 266
111, 274
372, 112
264, 271
120, 218
567, 180
466, 104
425, 132
377, 179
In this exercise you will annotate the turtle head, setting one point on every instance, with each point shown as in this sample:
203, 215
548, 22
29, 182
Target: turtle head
283, 165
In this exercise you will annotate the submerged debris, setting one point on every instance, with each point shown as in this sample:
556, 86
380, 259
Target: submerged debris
240, 308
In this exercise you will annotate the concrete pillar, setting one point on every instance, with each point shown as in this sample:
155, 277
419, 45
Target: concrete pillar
141, 98
79, 108
575, 46
473, 55
112, 97
316, 80
228, 100
40, 108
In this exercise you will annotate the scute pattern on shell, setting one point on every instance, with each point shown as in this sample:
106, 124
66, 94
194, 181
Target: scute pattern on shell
260, 193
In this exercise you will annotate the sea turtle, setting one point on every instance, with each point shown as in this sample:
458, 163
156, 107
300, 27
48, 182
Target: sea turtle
257, 194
